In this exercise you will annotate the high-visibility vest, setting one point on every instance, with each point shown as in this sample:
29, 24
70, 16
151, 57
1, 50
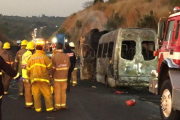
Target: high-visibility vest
25, 58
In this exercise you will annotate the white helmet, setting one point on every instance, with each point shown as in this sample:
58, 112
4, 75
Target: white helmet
71, 44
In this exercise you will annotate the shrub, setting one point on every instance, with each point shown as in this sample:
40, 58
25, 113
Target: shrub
148, 21
79, 24
114, 22
88, 4
62, 30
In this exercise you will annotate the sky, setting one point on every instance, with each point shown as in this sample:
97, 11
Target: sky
62, 8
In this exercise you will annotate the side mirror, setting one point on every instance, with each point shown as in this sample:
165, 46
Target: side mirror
156, 53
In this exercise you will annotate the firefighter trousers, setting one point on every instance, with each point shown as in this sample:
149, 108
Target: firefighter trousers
43, 88
28, 93
60, 94
74, 77
21, 87
6, 82
69, 80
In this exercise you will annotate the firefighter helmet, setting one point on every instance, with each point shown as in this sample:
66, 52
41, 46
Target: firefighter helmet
6, 46
71, 44
30, 46
24, 42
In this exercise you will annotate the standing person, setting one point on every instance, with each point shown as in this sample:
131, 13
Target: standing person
72, 57
60, 64
17, 64
37, 70
8, 70
7, 56
27, 85
74, 72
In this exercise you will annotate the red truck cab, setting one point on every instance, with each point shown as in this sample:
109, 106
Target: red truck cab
165, 80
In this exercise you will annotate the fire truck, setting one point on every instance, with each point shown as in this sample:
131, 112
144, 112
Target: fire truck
165, 80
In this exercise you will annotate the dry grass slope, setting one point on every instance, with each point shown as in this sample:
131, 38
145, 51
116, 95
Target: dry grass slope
132, 10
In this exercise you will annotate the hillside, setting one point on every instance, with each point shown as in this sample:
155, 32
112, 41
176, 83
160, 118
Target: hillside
115, 14
18, 28
4, 39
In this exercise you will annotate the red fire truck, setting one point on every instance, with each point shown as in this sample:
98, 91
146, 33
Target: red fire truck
165, 80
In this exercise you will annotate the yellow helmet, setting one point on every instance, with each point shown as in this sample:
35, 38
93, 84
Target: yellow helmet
24, 42
30, 46
6, 46
71, 44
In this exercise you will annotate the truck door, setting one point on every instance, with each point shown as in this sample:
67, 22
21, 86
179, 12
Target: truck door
168, 42
87, 62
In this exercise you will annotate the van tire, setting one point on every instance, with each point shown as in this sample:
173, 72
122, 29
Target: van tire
174, 115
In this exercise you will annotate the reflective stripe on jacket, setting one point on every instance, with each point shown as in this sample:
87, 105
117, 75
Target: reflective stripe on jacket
61, 64
25, 58
38, 66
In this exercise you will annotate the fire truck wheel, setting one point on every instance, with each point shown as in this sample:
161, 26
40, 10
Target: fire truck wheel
167, 113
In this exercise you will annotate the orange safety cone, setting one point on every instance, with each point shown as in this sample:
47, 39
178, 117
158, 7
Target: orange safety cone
131, 102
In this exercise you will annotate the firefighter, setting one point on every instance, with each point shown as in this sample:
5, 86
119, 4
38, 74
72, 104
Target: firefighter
8, 70
17, 64
37, 70
7, 56
27, 85
72, 57
60, 65
74, 73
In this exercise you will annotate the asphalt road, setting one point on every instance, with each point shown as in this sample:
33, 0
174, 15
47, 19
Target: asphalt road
87, 103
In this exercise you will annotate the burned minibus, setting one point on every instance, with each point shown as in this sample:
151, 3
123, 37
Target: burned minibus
125, 57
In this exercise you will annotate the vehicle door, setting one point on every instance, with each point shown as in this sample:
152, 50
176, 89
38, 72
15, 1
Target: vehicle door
87, 62
168, 41
148, 61
127, 66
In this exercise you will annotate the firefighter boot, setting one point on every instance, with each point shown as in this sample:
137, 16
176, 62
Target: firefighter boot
74, 77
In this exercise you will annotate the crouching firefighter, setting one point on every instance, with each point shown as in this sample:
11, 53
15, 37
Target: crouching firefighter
7, 56
27, 85
60, 64
37, 70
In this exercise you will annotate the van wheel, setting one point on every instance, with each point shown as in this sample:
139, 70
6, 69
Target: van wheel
166, 110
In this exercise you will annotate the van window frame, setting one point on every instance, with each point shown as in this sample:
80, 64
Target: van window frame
106, 50
128, 49
148, 50
112, 49
101, 50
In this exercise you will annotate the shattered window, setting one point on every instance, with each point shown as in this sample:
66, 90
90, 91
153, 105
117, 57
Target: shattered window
100, 50
110, 49
105, 49
148, 48
128, 50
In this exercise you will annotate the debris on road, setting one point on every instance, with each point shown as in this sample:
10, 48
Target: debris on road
94, 87
118, 92
131, 102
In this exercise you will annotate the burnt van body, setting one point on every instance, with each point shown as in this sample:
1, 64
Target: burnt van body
125, 57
